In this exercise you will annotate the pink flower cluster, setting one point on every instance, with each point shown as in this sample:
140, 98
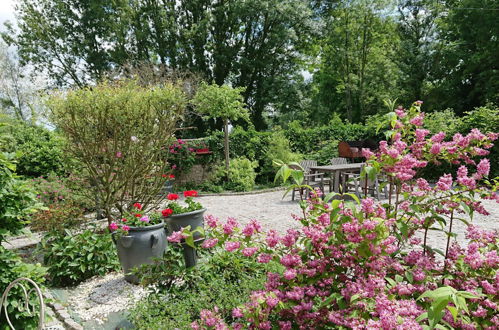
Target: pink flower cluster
365, 267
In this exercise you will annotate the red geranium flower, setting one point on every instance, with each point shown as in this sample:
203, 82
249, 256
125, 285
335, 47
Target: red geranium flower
190, 193
138, 206
172, 197
163, 175
124, 220
138, 215
167, 212
172, 176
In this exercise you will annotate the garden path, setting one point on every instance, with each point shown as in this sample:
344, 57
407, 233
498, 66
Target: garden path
274, 212
96, 300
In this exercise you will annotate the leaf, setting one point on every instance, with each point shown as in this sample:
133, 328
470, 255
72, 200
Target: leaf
330, 196
453, 311
354, 197
189, 240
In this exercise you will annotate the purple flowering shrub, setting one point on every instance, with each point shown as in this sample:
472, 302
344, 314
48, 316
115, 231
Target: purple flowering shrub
365, 266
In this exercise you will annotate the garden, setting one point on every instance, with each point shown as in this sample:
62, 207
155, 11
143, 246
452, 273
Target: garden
186, 174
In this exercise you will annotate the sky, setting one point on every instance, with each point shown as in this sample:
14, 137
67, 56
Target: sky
6, 11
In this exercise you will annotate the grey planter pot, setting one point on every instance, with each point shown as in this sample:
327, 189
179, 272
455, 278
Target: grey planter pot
139, 247
194, 219
167, 187
190, 254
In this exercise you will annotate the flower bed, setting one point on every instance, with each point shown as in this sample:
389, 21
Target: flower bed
363, 266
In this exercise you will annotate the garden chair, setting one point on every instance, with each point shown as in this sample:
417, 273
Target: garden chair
314, 180
362, 186
338, 161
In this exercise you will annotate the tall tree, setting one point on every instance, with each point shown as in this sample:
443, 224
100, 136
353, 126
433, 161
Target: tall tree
18, 90
467, 74
246, 43
356, 70
417, 31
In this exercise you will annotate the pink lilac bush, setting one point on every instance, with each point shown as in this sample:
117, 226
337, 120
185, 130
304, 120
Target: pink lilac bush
361, 266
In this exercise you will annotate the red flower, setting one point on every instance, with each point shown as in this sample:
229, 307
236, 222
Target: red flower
138, 206
138, 215
163, 175
190, 193
172, 197
167, 212
124, 220
172, 176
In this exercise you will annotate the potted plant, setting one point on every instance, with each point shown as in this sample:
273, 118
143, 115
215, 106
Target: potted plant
168, 186
178, 217
139, 238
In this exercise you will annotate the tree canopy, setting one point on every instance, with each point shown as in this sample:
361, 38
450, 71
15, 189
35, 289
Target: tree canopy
296, 59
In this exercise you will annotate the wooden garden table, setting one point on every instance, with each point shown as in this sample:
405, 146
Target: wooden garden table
336, 170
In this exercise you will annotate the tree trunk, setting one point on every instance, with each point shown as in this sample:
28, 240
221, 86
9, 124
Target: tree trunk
226, 146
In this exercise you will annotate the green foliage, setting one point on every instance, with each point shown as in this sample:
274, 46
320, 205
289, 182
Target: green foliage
278, 148
18, 198
242, 175
65, 201
41, 152
223, 279
222, 102
486, 119
443, 121
219, 41
467, 67
190, 206
11, 268
440, 299
74, 257
311, 140
357, 68
325, 151
117, 130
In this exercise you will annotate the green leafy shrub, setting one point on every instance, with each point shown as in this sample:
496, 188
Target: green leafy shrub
118, 131
41, 152
11, 268
57, 217
65, 201
309, 140
486, 119
327, 150
18, 200
443, 121
241, 175
221, 280
74, 257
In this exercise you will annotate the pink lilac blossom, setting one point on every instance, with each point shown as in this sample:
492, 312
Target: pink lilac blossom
249, 251
209, 243
232, 246
175, 237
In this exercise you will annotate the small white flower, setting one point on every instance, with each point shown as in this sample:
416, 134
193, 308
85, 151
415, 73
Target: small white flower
134, 138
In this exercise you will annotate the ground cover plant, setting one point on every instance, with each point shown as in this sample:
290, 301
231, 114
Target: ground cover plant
221, 278
370, 266
73, 257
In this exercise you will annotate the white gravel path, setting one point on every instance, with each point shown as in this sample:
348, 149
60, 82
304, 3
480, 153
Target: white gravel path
274, 212
96, 298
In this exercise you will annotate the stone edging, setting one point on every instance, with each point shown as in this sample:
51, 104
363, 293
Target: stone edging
61, 313
22, 241
254, 192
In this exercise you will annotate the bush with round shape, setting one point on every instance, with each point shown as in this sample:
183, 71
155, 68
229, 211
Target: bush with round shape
117, 131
